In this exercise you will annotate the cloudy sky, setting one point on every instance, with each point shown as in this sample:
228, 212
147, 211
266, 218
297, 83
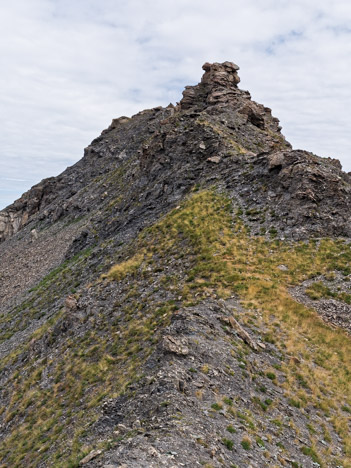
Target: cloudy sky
69, 66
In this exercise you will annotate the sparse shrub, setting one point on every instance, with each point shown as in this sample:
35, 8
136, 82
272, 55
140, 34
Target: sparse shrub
318, 290
260, 442
217, 406
271, 375
269, 338
277, 422
310, 452
228, 401
295, 403
259, 403
228, 443
231, 429
246, 443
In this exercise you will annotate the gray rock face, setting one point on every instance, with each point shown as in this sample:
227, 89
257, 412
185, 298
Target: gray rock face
218, 85
16, 216
11, 222
216, 133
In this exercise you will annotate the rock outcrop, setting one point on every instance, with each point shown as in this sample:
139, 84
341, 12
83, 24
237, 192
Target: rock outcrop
10, 223
219, 90
218, 86
17, 215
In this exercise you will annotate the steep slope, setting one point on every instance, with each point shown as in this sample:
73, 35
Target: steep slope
148, 314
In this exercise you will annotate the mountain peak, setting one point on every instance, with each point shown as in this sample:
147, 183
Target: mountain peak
218, 86
223, 74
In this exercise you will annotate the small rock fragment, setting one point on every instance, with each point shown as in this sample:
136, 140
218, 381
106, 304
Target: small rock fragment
152, 452
90, 456
34, 235
71, 303
214, 159
173, 345
238, 328
181, 386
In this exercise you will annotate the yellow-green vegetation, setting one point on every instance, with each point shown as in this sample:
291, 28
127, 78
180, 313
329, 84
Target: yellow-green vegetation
92, 368
227, 260
129, 266
50, 421
319, 290
246, 443
224, 260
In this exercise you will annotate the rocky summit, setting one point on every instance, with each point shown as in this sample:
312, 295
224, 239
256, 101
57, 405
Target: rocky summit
180, 297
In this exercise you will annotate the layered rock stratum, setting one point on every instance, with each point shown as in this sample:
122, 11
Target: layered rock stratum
180, 297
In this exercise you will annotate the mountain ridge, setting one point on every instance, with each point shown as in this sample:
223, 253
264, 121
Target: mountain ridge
148, 314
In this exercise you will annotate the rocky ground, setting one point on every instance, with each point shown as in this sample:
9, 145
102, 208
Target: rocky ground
204, 395
333, 311
20, 272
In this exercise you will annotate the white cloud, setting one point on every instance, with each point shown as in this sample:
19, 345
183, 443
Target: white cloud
68, 68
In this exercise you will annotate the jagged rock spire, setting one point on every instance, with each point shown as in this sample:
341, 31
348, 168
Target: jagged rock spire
223, 74
218, 92
218, 86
